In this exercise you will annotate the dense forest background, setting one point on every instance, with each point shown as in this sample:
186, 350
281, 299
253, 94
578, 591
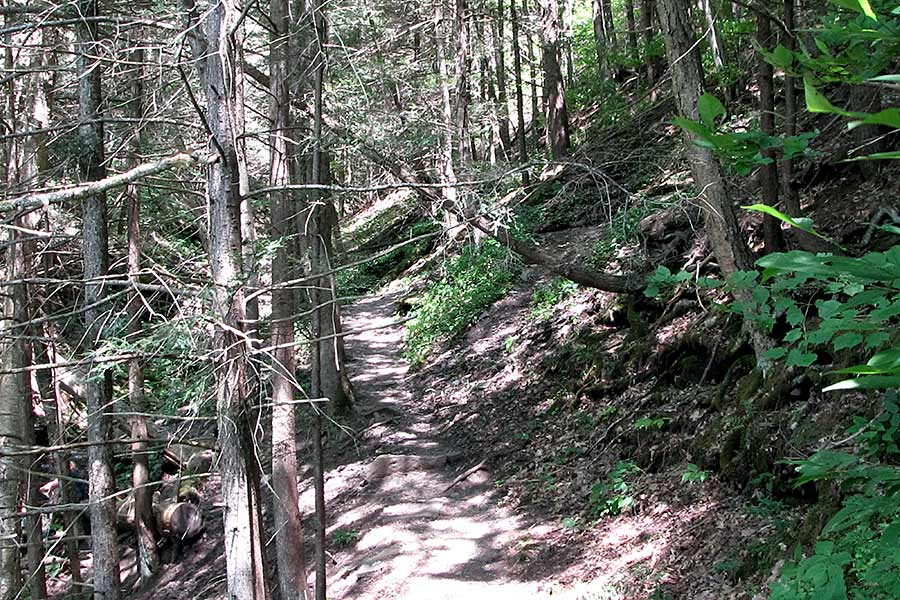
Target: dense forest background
622, 276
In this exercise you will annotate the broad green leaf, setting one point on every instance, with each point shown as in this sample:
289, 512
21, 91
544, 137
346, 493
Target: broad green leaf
774, 353
851, 339
710, 109
801, 224
886, 359
798, 358
817, 103
862, 6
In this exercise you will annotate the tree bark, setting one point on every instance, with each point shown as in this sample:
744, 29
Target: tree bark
500, 72
789, 195
104, 545
288, 526
600, 40
215, 47
720, 217
144, 530
632, 28
768, 174
520, 97
557, 129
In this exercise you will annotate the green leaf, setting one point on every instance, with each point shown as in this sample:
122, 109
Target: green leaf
710, 109
817, 103
862, 6
876, 156
801, 224
870, 382
774, 353
798, 358
851, 339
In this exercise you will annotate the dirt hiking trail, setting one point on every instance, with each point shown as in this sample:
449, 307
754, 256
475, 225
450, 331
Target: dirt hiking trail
417, 530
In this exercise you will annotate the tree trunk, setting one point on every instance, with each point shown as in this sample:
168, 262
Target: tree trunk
557, 114
720, 218
534, 70
715, 41
216, 56
520, 99
289, 531
632, 28
768, 174
500, 71
12, 390
104, 546
447, 167
789, 195
462, 93
144, 531
652, 64
600, 37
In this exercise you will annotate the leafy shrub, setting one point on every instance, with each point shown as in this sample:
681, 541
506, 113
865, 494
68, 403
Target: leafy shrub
613, 495
694, 474
472, 282
856, 556
547, 296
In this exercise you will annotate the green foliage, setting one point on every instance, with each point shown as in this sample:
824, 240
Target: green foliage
649, 423
879, 436
740, 150
624, 228
856, 556
471, 282
343, 538
694, 474
664, 280
548, 296
613, 495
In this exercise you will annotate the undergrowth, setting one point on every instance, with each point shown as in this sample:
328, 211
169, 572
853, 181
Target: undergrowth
624, 228
547, 296
471, 282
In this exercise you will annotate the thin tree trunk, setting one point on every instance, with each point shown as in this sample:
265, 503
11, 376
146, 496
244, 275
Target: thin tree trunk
216, 57
557, 113
319, 378
500, 71
462, 93
447, 167
647, 37
104, 545
720, 218
789, 195
608, 22
520, 100
600, 39
632, 28
715, 42
144, 523
768, 174
288, 527
534, 70
12, 390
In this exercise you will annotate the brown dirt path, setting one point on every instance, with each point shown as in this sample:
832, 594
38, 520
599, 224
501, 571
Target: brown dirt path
415, 538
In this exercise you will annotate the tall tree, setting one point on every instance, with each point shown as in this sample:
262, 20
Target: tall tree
215, 44
144, 524
520, 99
557, 129
768, 173
720, 217
94, 242
289, 532
789, 195
500, 72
